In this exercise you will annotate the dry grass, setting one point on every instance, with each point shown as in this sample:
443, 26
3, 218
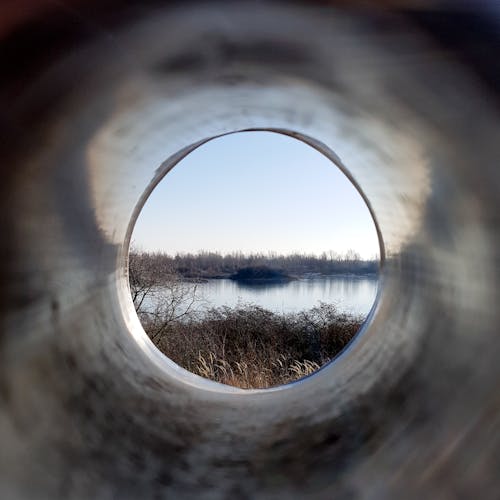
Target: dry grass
246, 376
251, 347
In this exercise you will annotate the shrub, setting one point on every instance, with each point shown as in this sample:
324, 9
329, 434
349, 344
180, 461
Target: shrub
251, 347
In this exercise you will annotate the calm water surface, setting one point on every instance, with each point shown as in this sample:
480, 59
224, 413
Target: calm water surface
351, 294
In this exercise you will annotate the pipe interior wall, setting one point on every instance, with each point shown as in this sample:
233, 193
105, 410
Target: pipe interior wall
90, 408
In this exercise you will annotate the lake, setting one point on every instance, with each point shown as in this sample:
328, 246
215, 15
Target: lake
350, 293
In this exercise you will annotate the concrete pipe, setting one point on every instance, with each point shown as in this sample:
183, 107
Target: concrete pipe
99, 103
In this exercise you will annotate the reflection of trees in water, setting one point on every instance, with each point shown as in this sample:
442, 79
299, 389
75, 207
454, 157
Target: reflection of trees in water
354, 294
328, 286
262, 287
357, 294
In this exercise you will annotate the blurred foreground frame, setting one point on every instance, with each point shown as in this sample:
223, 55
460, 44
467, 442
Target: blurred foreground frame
101, 99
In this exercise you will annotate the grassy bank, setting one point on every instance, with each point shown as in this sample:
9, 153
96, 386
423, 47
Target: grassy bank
251, 347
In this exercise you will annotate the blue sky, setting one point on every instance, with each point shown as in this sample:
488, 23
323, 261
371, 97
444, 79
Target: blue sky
256, 192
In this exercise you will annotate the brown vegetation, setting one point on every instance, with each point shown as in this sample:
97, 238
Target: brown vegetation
251, 347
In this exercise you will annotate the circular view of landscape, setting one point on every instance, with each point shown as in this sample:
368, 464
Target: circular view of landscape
254, 262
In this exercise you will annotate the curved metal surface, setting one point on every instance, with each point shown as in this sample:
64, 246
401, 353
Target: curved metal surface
90, 409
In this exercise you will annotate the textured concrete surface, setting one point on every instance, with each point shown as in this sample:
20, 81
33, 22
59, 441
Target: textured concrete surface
90, 409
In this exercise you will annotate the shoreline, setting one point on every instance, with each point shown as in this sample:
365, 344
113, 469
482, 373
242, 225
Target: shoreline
285, 280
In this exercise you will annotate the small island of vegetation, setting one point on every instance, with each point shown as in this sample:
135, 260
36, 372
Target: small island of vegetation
261, 274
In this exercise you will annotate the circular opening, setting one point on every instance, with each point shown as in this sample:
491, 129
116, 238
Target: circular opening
254, 262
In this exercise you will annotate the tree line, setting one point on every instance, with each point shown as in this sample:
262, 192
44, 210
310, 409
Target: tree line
205, 264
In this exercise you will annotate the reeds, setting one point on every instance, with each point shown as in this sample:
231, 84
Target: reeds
251, 347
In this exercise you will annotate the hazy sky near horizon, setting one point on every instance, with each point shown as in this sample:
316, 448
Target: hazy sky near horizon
256, 192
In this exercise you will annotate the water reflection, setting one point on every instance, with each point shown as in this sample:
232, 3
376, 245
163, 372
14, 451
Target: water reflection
351, 294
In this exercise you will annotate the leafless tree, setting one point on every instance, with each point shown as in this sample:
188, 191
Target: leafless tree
161, 296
